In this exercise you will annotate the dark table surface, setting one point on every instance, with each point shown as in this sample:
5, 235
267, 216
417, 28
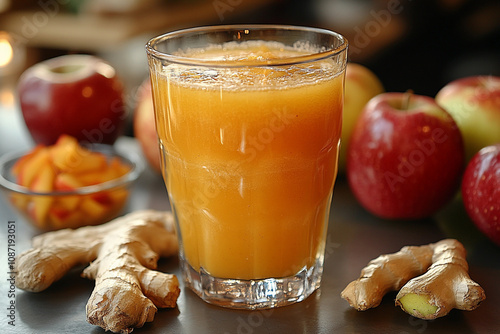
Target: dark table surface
354, 238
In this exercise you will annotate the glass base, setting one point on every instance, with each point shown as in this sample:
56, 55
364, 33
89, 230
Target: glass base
253, 294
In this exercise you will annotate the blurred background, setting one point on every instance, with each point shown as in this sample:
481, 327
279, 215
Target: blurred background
419, 45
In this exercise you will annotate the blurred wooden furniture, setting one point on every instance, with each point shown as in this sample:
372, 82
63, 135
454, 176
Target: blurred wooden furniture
52, 27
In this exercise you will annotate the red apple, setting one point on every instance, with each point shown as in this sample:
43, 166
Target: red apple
361, 84
144, 126
474, 103
78, 95
406, 156
481, 191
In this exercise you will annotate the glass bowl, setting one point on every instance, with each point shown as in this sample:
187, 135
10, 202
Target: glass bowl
71, 207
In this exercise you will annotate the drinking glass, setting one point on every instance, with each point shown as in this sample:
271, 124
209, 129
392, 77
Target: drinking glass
249, 121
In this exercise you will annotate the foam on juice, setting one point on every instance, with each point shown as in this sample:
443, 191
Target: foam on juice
255, 72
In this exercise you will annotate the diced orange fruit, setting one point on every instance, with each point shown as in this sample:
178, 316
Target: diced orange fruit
21, 162
67, 182
118, 167
93, 208
67, 166
102, 197
68, 155
43, 183
44, 179
58, 214
62, 218
97, 177
28, 169
119, 195
69, 202
20, 200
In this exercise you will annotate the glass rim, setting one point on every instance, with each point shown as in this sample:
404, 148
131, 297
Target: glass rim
245, 28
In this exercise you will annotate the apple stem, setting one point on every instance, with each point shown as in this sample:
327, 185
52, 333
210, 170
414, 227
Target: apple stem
406, 100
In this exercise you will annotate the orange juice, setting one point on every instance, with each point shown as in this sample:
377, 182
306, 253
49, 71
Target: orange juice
250, 159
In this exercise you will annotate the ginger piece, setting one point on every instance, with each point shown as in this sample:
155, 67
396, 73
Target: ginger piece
433, 280
446, 285
124, 252
386, 273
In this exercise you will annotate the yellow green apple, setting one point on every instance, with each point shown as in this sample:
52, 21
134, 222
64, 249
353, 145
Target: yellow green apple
361, 84
474, 103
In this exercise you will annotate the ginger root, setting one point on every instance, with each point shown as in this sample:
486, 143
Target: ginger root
433, 280
124, 252
388, 272
444, 286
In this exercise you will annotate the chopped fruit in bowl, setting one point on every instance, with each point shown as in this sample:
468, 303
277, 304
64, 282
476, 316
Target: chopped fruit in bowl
67, 185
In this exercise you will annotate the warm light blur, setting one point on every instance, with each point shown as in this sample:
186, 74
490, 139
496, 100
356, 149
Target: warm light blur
6, 52
6, 97
4, 5
12, 57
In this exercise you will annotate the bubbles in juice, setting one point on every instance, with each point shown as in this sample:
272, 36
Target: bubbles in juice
254, 70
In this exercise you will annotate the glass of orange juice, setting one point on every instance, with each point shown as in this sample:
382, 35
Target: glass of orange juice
248, 121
